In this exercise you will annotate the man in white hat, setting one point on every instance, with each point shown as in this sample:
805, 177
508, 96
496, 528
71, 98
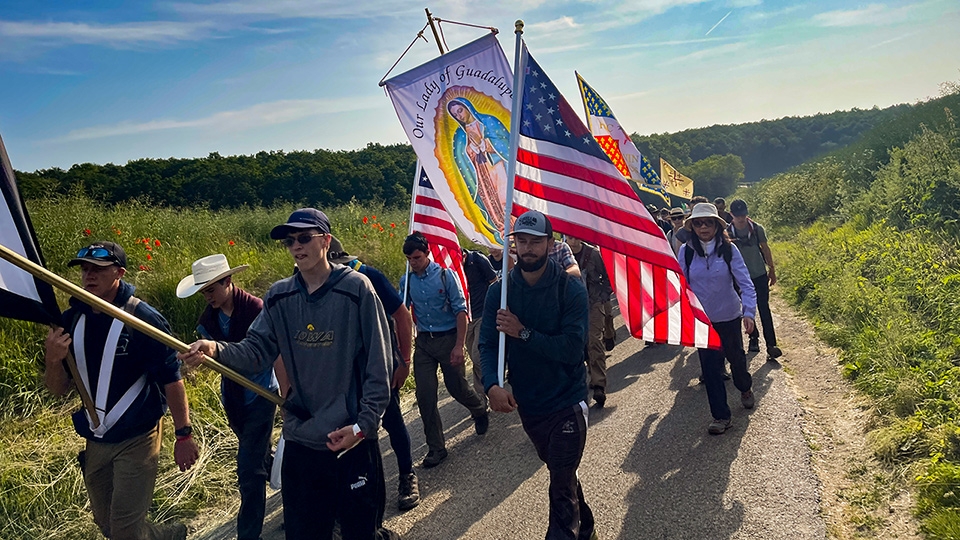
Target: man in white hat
230, 312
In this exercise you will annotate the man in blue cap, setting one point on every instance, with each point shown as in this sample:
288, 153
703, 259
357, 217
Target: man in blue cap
330, 329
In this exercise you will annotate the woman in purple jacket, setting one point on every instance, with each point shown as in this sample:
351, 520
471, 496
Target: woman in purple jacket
716, 272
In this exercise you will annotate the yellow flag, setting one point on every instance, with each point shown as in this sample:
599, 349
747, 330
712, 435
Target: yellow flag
674, 182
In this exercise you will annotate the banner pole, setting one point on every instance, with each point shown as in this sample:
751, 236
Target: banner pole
518, 70
433, 27
99, 304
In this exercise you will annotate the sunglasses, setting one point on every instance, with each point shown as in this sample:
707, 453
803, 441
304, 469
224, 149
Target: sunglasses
679, 218
697, 223
302, 239
96, 253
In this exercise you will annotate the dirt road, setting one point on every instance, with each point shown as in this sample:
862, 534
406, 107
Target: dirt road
650, 470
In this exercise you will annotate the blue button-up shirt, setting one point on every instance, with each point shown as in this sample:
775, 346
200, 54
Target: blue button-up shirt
436, 297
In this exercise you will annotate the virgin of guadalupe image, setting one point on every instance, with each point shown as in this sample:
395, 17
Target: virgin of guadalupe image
479, 149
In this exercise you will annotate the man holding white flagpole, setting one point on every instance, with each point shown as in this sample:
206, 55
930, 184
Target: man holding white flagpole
546, 325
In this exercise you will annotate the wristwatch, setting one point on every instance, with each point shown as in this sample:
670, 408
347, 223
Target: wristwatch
184, 432
525, 334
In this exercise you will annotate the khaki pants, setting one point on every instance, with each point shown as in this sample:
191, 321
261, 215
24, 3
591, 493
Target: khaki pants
120, 478
596, 354
473, 349
431, 353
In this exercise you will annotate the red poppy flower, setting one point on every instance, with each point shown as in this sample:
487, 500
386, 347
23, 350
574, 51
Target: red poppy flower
364, 220
156, 243
148, 248
149, 258
230, 243
143, 268
87, 232
374, 218
393, 225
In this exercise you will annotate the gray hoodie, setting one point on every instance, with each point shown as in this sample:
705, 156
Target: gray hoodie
335, 345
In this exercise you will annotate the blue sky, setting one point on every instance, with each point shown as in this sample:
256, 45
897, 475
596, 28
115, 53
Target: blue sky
111, 81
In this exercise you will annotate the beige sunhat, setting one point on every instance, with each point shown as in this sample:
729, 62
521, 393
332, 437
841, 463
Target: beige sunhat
209, 269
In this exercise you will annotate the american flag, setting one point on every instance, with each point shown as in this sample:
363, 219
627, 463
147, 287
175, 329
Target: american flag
563, 172
430, 218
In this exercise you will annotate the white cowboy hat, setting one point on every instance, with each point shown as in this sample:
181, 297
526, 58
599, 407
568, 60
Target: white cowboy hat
703, 210
207, 270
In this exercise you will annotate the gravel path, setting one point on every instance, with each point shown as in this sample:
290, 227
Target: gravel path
650, 470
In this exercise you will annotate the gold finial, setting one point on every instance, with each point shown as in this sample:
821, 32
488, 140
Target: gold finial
518, 26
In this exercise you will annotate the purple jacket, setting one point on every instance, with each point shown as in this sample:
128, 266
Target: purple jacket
711, 281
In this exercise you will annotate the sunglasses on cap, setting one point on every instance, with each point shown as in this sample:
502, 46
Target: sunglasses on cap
300, 238
697, 223
97, 253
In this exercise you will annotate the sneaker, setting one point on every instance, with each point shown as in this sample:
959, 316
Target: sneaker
608, 344
773, 353
717, 427
434, 458
408, 492
747, 399
599, 398
481, 423
754, 345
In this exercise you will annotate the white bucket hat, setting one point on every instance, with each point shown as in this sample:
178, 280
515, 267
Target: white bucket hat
703, 210
209, 269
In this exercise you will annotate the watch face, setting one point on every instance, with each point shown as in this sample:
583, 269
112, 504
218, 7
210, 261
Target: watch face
525, 334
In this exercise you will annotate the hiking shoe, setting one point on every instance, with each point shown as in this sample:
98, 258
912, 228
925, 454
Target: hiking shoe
747, 399
608, 344
408, 492
599, 398
481, 423
717, 427
773, 353
434, 458
754, 345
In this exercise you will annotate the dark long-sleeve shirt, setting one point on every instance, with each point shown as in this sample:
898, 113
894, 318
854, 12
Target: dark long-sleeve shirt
547, 373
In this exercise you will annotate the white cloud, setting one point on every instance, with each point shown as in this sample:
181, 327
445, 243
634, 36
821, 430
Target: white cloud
719, 50
262, 114
871, 15
563, 24
293, 9
117, 35
744, 3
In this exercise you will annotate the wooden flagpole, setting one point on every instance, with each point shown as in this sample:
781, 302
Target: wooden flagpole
97, 303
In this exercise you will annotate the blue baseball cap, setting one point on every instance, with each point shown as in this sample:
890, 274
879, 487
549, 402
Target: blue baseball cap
304, 218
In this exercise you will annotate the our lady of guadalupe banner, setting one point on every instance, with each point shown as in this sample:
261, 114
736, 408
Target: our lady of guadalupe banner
455, 110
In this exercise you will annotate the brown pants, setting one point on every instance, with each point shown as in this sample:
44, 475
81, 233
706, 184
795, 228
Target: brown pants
608, 331
596, 354
120, 478
473, 349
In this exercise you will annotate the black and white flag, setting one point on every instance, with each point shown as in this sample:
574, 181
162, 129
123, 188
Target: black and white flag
22, 296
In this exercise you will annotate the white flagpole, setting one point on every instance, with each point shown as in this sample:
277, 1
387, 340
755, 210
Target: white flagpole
413, 201
518, 70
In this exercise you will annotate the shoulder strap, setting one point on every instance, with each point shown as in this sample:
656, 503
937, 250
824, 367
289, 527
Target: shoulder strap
688, 258
562, 290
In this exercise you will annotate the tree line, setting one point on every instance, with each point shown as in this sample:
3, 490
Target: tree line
718, 158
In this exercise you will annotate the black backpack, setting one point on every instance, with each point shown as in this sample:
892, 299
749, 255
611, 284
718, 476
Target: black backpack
725, 251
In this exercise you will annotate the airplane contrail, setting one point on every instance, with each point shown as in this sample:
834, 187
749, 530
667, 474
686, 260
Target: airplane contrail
718, 22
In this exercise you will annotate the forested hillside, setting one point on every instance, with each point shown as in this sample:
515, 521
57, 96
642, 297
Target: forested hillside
766, 147
717, 158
